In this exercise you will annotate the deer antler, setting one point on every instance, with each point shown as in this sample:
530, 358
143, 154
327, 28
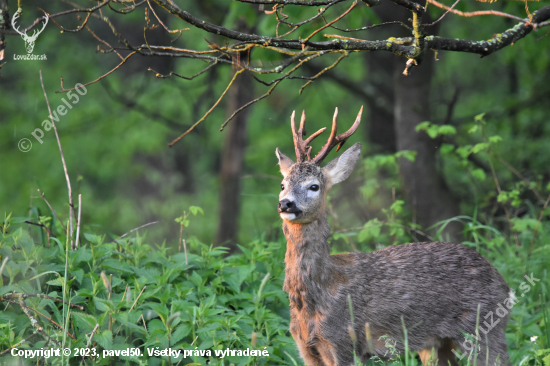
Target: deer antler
299, 144
334, 140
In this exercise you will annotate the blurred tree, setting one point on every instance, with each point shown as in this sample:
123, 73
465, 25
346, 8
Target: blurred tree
232, 160
403, 100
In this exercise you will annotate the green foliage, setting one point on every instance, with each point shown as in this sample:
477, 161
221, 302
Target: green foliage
139, 296
434, 130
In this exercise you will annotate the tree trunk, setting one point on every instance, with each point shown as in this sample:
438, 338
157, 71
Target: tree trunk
427, 193
232, 162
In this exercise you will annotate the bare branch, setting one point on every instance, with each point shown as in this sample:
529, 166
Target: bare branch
472, 13
63, 90
210, 110
70, 192
290, 2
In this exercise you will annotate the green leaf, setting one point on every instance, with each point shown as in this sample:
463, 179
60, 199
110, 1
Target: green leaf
104, 339
116, 265
479, 174
96, 239
422, 126
523, 224
84, 322
195, 209
495, 139
104, 305
464, 151
407, 154
446, 130
480, 147
160, 309
235, 276
446, 149
371, 230
432, 131
479, 117
181, 331
397, 206
18, 220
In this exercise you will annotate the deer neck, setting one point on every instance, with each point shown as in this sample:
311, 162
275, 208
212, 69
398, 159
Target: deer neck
307, 261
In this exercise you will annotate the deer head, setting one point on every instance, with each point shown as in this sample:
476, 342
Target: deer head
29, 40
305, 184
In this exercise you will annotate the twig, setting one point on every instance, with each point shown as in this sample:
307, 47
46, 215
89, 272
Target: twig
369, 26
518, 174
63, 90
160, 76
165, 27
78, 222
137, 228
137, 298
475, 13
186, 262
51, 320
20, 342
105, 43
345, 54
442, 16
331, 23
3, 265
71, 205
16, 295
89, 341
275, 83
51, 209
134, 304
41, 225
210, 110
33, 320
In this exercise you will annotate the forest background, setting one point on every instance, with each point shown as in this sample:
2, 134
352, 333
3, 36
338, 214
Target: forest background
462, 137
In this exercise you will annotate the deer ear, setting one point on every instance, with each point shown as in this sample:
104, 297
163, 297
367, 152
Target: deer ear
340, 168
285, 163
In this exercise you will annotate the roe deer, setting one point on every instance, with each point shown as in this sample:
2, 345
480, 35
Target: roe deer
433, 289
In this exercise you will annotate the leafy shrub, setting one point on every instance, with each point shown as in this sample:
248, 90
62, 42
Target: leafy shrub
135, 295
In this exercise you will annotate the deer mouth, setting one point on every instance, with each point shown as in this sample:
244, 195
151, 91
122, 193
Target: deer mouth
290, 216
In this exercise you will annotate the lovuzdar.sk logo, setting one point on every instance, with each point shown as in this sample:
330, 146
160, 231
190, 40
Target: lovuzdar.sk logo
29, 40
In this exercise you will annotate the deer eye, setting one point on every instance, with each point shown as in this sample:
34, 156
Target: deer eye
314, 187
282, 187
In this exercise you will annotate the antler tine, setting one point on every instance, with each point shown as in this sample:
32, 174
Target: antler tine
339, 140
344, 136
300, 153
303, 151
302, 131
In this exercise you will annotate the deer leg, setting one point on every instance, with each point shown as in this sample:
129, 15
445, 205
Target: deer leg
310, 355
428, 356
445, 354
327, 352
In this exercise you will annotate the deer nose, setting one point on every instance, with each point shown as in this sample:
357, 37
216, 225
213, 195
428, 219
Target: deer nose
286, 206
